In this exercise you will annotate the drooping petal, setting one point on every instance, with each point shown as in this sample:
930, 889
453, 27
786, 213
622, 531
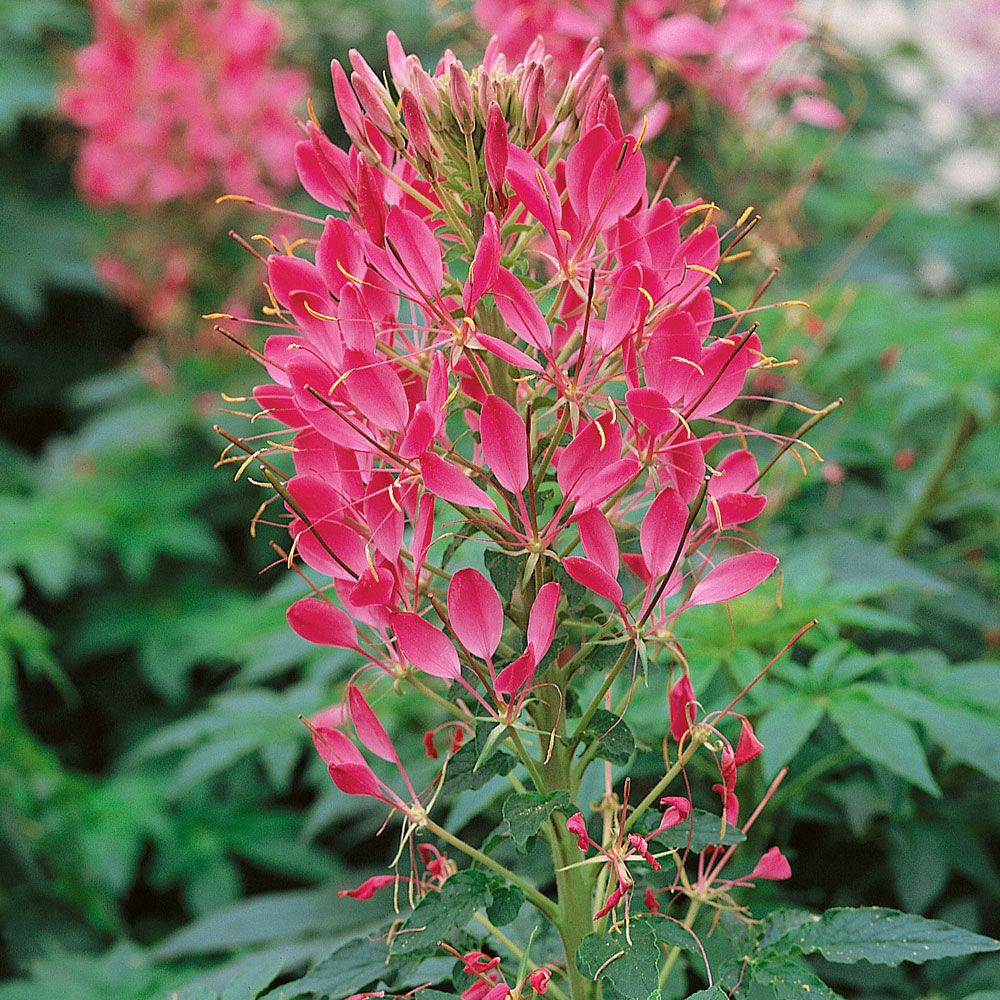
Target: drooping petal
542, 618
320, 622
588, 574
475, 612
662, 532
508, 352
733, 577
737, 471
595, 447
748, 747
425, 646
448, 482
504, 447
370, 731
356, 779
416, 252
369, 887
652, 408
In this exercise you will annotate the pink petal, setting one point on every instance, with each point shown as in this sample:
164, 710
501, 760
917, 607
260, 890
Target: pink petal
651, 408
419, 265
385, 519
733, 577
475, 612
515, 675
818, 111
662, 532
605, 482
683, 707
772, 867
448, 482
504, 443
370, 731
507, 352
748, 746
376, 390
595, 447
542, 619
320, 622
738, 469
485, 264
425, 646
600, 543
366, 890
535, 189
725, 366
588, 574
735, 508
520, 311
623, 308
334, 747
356, 779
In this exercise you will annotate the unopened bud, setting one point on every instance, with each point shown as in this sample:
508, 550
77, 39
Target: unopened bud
461, 99
416, 126
347, 104
371, 204
496, 147
375, 109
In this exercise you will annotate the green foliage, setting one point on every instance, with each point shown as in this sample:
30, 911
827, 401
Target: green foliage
629, 968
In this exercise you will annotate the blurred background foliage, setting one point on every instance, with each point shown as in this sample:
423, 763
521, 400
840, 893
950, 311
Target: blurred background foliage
161, 822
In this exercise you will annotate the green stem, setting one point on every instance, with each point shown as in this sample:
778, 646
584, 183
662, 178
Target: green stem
542, 903
944, 461
598, 698
698, 736
675, 952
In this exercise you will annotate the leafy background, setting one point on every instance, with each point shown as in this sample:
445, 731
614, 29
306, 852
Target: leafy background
161, 821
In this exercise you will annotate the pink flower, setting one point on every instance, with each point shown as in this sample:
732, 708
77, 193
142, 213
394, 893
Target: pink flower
773, 866
539, 980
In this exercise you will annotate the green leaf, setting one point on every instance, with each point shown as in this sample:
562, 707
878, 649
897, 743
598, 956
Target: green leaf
526, 813
462, 771
506, 905
504, 571
616, 742
785, 729
701, 829
790, 980
674, 934
632, 970
884, 737
884, 937
712, 993
440, 914
253, 979
351, 968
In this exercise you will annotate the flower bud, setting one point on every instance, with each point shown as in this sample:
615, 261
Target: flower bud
416, 126
371, 204
496, 147
461, 99
347, 104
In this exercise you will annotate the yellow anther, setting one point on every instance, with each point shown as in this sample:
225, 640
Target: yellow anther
233, 399
705, 270
688, 361
272, 299
705, 206
451, 397
714, 504
242, 198
265, 239
567, 236
684, 423
648, 297
792, 302
733, 257
642, 134
371, 563
317, 315
725, 305
312, 113
746, 215
392, 497
347, 274
340, 379
222, 316
600, 430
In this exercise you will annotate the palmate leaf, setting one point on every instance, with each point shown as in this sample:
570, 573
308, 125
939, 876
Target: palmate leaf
525, 814
630, 969
880, 936
440, 914
616, 744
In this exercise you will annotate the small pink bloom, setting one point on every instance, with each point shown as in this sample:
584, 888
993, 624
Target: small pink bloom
683, 707
773, 866
577, 825
539, 980
476, 612
369, 887
748, 747
425, 646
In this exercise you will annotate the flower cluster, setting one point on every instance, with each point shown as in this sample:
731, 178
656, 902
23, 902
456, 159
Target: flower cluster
735, 51
501, 374
178, 103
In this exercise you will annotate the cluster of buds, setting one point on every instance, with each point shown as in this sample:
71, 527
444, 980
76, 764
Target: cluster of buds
737, 52
177, 103
504, 353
